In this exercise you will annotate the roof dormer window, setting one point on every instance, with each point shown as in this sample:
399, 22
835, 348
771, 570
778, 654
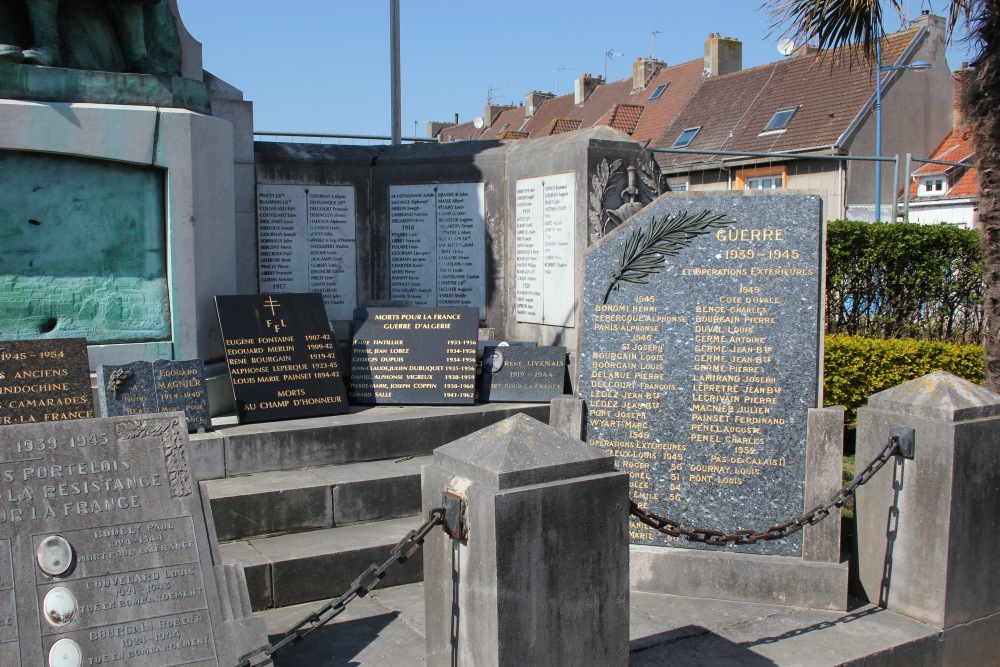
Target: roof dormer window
686, 137
658, 92
932, 186
780, 119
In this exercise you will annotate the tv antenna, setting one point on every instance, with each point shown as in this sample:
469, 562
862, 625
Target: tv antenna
652, 46
560, 69
609, 55
489, 93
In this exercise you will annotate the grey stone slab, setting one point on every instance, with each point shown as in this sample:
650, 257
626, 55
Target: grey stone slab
362, 435
686, 363
270, 503
45, 381
824, 479
126, 389
779, 580
938, 395
566, 415
207, 455
376, 499
125, 536
257, 569
323, 563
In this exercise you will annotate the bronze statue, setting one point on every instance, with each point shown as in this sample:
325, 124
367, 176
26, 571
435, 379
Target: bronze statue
92, 34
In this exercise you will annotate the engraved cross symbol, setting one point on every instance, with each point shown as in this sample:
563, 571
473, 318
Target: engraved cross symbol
272, 304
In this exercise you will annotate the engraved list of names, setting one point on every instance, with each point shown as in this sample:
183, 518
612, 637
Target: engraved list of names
699, 381
437, 245
544, 265
306, 239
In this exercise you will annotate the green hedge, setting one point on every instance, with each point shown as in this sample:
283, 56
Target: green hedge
856, 368
903, 280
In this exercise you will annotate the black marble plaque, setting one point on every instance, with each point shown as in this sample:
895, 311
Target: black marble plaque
700, 358
180, 386
423, 356
104, 549
282, 357
483, 344
126, 389
513, 373
44, 381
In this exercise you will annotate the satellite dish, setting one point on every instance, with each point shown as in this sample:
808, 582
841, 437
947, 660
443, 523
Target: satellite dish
479, 123
786, 46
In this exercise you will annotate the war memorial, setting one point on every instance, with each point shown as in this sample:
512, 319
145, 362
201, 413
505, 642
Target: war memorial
585, 411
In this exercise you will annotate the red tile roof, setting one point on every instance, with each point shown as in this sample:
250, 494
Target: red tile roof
958, 146
508, 120
546, 113
682, 81
624, 117
562, 125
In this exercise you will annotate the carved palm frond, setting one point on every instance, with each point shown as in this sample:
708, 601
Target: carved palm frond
643, 253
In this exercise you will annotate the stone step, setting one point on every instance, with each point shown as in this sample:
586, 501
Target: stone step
270, 503
364, 434
320, 564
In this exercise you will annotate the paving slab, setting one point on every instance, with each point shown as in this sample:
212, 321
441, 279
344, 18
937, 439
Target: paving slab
386, 630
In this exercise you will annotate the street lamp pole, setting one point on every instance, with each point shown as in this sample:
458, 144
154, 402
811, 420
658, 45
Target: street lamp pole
879, 68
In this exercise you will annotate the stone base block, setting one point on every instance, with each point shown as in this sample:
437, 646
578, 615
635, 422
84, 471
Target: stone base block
779, 580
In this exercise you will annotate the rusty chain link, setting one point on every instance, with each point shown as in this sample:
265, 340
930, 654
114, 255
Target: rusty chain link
364, 584
810, 518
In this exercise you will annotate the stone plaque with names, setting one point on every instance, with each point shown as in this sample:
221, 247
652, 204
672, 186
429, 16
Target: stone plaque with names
161, 386
282, 357
306, 240
544, 265
437, 245
699, 381
414, 356
105, 557
522, 374
44, 380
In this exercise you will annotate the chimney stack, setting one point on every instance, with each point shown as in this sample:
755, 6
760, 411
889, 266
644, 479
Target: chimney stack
643, 70
533, 100
722, 55
584, 86
963, 80
491, 112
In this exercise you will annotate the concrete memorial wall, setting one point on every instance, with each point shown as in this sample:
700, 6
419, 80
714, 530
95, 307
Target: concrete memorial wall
282, 357
702, 328
44, 381
105, 555
414, 356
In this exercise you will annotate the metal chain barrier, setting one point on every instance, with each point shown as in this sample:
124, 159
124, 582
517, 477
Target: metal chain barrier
368, 581
811, 518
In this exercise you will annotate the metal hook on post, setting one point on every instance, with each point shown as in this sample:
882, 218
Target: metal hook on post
903, 440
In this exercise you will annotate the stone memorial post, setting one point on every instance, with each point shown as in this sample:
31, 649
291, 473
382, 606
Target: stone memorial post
107, 551
929, 528
541, 577
702, 331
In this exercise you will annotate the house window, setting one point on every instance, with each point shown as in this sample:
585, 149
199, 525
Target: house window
780, 119
503, 129
658, 92
932, 186
775, 182
686, 137
678, 186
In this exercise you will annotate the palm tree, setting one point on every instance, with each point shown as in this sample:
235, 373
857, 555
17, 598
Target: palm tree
834, 23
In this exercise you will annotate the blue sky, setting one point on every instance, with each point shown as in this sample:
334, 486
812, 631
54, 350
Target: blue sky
323, 65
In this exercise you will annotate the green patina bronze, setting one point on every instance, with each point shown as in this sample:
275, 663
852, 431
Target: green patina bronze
82, 250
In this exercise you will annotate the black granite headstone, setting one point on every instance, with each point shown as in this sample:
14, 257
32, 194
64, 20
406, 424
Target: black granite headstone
483, 344
282, 357
181, 387
700, 358
126, 389
414, 356
522, 374
44, 381
105, 556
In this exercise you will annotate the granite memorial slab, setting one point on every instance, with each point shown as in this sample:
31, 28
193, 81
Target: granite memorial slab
544, 262
44, 381
700, 358
437, 245
481, 345
307, 242
420, 356
162, 386
522, 374
105, 556
282, 357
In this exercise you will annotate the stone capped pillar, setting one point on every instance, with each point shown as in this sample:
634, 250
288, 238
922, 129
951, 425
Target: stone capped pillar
542, 577
929, 528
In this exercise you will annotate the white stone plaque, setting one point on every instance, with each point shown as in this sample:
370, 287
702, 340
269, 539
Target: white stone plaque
437, 245
544, 261
306, 240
